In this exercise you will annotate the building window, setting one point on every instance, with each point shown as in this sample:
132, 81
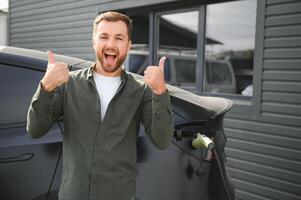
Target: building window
138, 56
178, 42
232, 26
228, 37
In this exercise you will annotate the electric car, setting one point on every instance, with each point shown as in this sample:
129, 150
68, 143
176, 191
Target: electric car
191, 168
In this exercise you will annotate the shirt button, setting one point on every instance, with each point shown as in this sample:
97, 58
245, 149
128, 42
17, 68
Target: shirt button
93, 184
98, 143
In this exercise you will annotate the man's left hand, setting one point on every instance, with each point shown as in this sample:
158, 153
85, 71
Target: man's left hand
154, 77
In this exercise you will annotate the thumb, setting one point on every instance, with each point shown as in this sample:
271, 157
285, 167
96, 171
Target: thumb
51, 59
161, 63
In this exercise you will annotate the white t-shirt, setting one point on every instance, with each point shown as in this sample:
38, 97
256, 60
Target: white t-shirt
107, 87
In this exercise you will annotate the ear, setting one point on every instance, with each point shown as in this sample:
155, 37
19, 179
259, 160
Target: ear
129, 45
93, 42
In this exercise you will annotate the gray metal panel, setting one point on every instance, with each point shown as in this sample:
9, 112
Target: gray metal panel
61, 26
279, 1
51, 33
264, 156
281, 108
272, 151
292, 30
283, 42
282, 86
283, 20
285, 175
45, 7
55, 15
271, 129
263, 180
41, 22
282, 75
262, 190
281, 81
52, 38
287, 64
284, 8
263, 159
283, 52
284, 97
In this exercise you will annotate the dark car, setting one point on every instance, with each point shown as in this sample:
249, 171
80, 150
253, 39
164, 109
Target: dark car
30, 169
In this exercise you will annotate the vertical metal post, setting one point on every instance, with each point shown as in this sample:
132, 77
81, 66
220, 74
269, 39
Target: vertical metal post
258, 57
201, 42
153, 38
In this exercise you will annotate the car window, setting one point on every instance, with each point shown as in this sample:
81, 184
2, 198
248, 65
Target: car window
17, 86
218, 73
136, 61
185, 71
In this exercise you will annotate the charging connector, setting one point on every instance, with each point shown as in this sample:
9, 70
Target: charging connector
200, 141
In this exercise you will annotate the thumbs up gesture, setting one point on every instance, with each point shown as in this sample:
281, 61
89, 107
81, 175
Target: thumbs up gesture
154, 77
57, 73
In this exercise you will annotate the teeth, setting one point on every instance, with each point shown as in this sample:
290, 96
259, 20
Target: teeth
111, 53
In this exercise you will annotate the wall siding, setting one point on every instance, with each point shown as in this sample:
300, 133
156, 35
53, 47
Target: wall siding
64, 27
282, 59
263, 148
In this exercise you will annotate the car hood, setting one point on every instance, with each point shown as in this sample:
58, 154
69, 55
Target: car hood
40, 55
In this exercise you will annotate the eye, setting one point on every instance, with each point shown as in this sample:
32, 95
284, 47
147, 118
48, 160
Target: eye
103, 37
120, 38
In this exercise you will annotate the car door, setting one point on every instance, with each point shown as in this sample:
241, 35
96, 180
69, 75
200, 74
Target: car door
27, 166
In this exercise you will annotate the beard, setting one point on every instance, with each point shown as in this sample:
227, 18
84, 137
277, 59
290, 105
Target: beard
102, 58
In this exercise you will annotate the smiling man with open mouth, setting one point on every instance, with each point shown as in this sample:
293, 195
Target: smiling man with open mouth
111, 44
102, 108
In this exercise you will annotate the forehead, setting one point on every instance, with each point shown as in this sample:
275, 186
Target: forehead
112, 28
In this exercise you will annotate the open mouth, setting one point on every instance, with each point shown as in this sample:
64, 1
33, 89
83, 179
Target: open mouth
110, 56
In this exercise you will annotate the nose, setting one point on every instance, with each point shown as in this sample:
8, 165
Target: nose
111, 43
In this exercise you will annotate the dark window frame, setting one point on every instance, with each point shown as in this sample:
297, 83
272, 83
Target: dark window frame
201, 42
243, 103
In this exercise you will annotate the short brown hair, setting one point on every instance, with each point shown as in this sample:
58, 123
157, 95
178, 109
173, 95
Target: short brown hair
111, 16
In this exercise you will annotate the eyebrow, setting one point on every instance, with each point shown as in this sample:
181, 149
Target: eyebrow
120, 35
117, 35
100, 34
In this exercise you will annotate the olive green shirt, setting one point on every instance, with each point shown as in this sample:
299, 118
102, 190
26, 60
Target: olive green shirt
99, 157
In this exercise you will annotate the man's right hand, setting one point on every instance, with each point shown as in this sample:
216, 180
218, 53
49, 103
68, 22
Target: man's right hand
56, 75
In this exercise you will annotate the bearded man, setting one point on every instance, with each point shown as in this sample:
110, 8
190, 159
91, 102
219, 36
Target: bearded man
102, 109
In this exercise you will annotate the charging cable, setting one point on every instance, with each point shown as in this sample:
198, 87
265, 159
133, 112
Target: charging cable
202, 141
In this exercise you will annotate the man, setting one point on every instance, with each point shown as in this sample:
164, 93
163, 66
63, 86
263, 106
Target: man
102, 108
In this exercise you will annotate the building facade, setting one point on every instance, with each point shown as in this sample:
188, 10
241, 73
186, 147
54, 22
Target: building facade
259, 39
